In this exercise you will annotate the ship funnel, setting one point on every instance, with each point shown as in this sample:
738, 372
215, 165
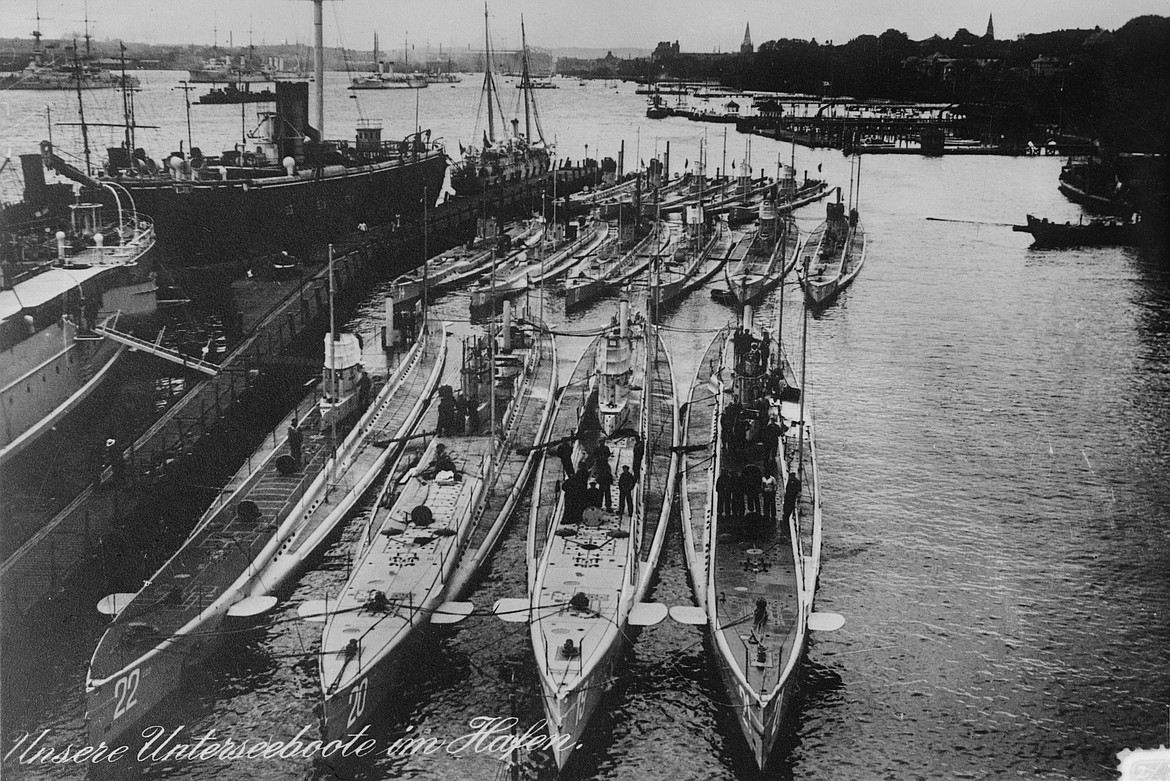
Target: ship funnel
747, 317
60, 245
624, 318
507, 327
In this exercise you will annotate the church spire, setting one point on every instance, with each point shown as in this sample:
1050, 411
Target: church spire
746, 47
990, 34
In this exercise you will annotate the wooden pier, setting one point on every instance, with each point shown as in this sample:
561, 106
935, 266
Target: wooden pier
273, 315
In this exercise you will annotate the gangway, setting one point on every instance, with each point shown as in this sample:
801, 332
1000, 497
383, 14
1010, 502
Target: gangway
156, 348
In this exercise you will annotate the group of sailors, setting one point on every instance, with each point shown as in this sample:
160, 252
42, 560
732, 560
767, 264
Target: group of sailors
751, 490
751, 353
751, 433
458, 414
590, 483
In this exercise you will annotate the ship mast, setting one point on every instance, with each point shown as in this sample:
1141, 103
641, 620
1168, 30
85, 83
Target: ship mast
488, 86
81, 111
525, 81
334, 388
88, 52
37, 50
531, 112
492, 331
126, 102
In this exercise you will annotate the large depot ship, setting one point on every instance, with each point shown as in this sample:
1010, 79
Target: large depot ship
287, 189
64, 272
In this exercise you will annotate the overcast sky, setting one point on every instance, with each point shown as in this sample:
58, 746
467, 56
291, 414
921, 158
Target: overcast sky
698, 25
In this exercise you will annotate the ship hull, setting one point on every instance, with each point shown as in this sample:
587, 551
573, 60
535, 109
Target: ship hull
823, 288
62, 382
471, 178
50, 84
388, 84
118, 704
569, 713
580, 296
1092, 234
209, 223
350, 707
45, 375
759, 722
61, 80
234, 76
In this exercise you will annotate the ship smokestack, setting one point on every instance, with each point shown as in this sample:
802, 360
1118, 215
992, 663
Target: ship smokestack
60, 245
747, 316
624, 318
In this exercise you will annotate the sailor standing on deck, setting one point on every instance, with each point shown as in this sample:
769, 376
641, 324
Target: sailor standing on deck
760, 619
574, 488
770, 438
626, 483
447, 414
769, 486
565, 452
295, 440
604, 475
593, 496
363, 387
751, 484
724, 488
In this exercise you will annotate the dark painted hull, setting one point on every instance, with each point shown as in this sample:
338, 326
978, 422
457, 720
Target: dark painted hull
209, 223
760, 722
221, 98
1091, 234
580, 296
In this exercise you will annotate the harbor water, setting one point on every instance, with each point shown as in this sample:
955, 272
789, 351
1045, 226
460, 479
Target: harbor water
993, 427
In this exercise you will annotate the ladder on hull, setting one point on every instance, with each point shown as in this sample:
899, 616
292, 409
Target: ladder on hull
155, 348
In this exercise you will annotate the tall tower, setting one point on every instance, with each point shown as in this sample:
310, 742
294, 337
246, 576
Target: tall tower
746, 47
990, 34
